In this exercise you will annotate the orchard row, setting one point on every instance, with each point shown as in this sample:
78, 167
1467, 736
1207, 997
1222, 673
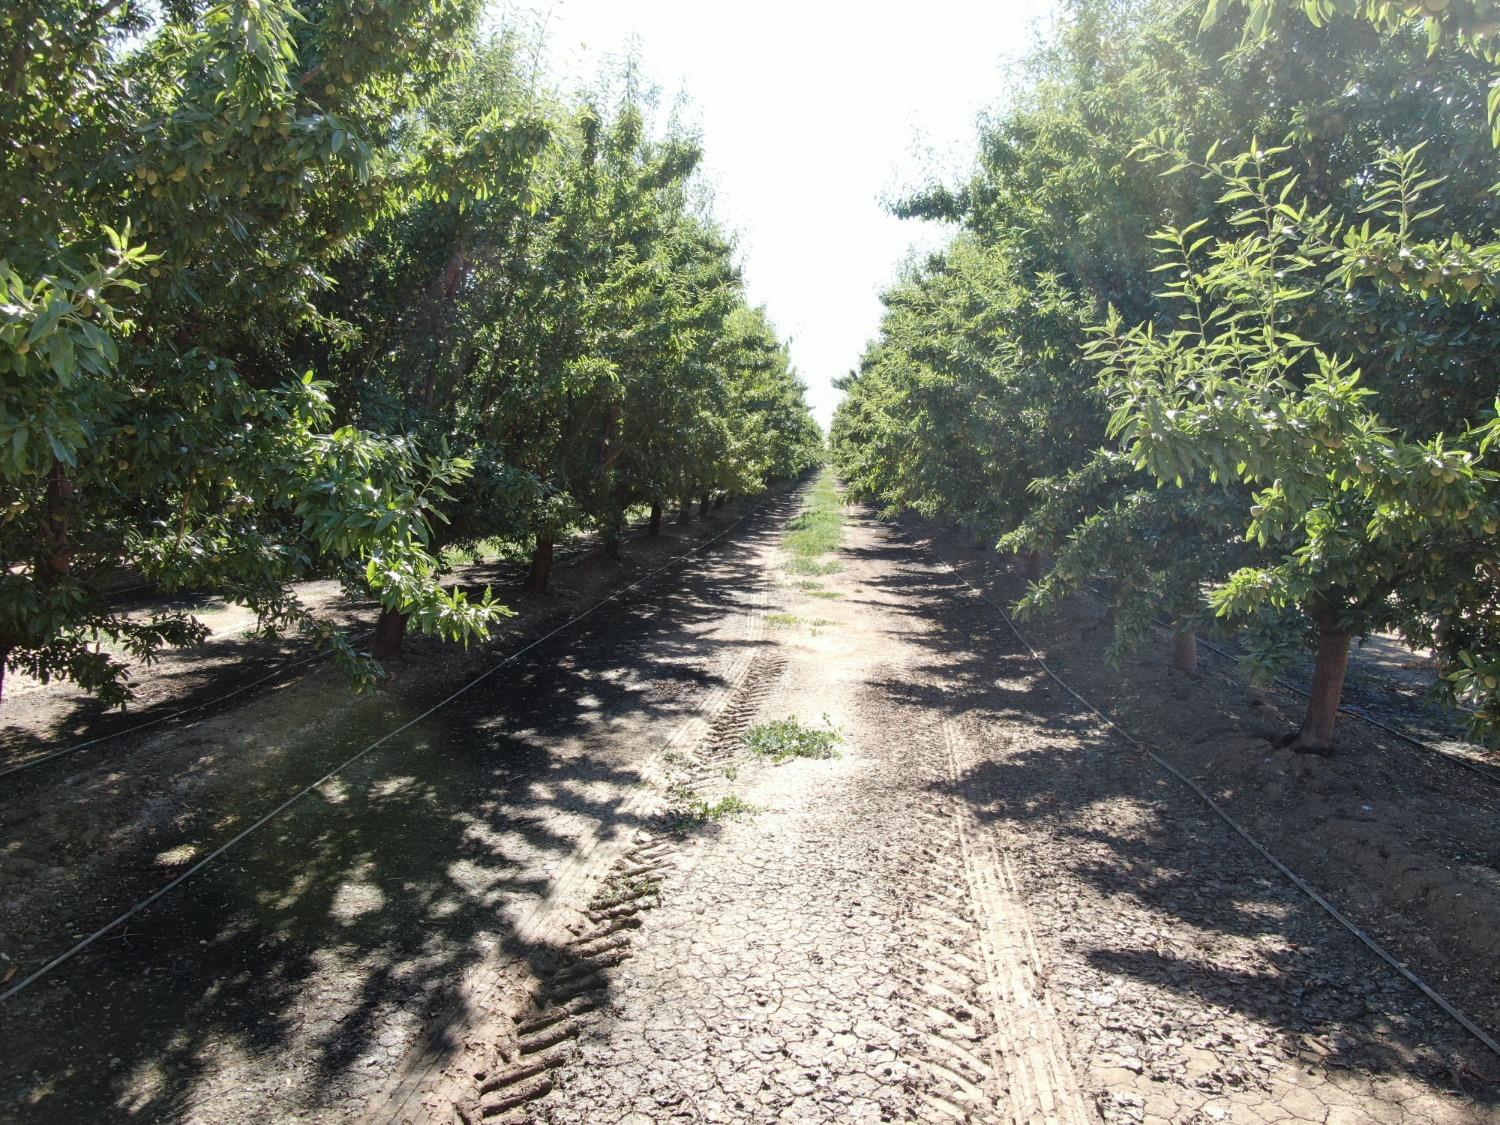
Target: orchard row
292, 289
1217, 328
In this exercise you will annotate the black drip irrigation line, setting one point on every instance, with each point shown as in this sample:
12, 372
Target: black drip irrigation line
171, 715
1490, 775
279, 670
509, 658
1296, 880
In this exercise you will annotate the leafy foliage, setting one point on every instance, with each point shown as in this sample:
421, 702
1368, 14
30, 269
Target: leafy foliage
294, 289
1243, 386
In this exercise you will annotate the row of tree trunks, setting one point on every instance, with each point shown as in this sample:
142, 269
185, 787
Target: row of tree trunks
390, 627
1315, 735
1331, 665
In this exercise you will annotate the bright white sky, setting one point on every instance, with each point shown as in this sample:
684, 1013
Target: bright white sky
812, 113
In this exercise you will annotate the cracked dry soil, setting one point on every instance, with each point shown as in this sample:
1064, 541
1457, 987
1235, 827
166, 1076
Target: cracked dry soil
985, 909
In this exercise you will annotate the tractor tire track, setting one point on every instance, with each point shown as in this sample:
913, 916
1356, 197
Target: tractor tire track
554, 996
365, 930
850, 954
537, 1002
989, 1040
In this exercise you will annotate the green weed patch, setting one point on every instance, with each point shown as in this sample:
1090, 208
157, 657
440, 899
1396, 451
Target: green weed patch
817, 529
781, 740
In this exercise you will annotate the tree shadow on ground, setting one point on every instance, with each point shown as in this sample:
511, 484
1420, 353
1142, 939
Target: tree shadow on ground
1049, 769
316, 952
197, 679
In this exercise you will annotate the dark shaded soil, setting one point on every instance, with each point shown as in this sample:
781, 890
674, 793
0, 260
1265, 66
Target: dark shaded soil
1405, 842
291, 975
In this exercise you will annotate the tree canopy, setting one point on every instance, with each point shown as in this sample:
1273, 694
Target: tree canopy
292, 289
1214, 330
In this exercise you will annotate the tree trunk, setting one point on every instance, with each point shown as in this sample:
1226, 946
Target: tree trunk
685, 510
719, 499
703, 505
655, 519
56, 526
1185, 651
541, 565
1034, 563
1316, 734
612, 542
390, 631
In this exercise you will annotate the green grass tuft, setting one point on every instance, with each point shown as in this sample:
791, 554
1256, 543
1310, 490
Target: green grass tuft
784, 739
799, 565
817, 530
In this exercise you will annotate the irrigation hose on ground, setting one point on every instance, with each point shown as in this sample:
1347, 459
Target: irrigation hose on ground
194, 708
1296, 880
1344, 709
69, 954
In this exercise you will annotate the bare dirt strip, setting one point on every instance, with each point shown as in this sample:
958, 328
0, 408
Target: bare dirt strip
986, 909
295, 974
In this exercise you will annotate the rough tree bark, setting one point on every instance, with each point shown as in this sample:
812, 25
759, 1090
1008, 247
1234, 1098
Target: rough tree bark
55, 558
655, 528
611, 536
56, 523
541, 565
1185, 650
390, 632
1330, 664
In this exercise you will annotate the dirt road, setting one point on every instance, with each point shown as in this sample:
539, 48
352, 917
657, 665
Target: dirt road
573, 896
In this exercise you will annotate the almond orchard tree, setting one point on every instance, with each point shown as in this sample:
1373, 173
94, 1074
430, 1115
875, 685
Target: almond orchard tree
1059, 199
1151, 541
177, 181
1449, 272
1380, 521
985, 392
399, 318
771, 433
552, 305
558, 321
